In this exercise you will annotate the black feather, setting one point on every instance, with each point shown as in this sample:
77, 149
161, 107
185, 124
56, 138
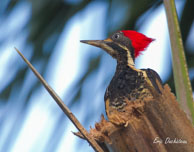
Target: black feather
153, 76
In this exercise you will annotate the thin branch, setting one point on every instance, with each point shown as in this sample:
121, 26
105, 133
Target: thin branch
180, 70
65, 109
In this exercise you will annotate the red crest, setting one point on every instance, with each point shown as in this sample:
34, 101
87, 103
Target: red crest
139, 41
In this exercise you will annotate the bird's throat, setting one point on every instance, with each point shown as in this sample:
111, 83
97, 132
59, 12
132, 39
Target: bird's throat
130, 61
126, 56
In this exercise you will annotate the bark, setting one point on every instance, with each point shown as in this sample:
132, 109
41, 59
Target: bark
157, 124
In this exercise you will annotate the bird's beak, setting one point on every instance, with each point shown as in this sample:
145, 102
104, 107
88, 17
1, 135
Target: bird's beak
104, 44
97, 43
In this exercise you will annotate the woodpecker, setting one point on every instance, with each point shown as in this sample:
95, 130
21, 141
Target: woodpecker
128, 83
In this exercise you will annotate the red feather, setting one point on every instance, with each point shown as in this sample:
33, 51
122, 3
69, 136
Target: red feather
139, 41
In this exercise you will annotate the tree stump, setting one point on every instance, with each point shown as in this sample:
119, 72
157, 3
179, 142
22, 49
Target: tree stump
154, 125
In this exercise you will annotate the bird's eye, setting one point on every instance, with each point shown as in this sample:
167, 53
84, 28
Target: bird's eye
116, 36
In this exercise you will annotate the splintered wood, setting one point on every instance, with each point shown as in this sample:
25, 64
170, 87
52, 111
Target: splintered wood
153, 125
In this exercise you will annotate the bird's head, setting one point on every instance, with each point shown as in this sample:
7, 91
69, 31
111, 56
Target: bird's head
124, 45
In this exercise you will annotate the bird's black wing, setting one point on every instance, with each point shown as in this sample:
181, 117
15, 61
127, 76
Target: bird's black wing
153, 76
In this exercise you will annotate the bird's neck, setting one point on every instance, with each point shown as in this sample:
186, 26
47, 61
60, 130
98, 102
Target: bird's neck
124, 67
125, 60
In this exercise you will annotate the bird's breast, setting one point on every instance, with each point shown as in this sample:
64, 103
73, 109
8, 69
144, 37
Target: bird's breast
126, 86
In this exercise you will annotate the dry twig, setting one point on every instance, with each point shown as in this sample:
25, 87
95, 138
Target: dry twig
65, 109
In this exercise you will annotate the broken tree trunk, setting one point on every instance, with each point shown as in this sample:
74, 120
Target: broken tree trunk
157, 124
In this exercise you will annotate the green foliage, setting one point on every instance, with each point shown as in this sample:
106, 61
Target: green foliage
181, 76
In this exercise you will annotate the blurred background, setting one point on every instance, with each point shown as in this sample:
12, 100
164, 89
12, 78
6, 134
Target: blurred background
48, 34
